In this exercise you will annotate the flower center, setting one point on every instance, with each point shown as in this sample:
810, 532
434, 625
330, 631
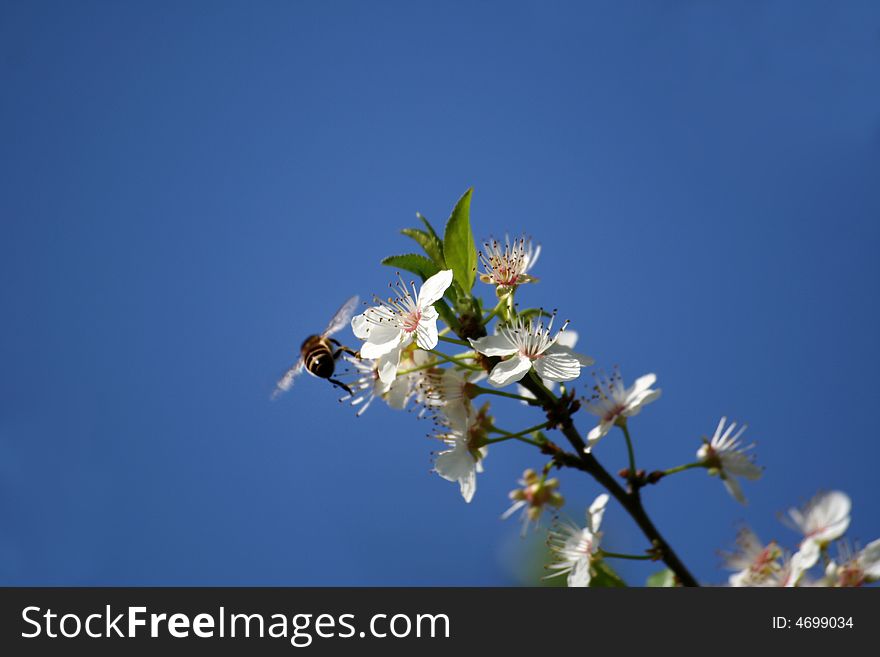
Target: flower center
763, 564
614, 412
852, 575
505, 264
410, 321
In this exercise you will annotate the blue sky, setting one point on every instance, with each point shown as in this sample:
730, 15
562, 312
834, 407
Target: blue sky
187, 191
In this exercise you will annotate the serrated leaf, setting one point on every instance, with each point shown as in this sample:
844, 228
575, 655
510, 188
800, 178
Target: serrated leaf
665, 578
458, 244
428, 226
604, 576
430, 243
414, 263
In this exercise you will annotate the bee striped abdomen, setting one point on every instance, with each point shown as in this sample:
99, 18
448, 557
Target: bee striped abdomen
317, 353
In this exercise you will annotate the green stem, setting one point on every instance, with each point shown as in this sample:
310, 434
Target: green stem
443, 360
497, 309
522, 439
630, 453
633, 557
459, 359
537, 380
682, 468
480, 390
454, 341
524, 432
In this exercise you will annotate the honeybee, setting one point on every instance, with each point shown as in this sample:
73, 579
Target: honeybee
319, 353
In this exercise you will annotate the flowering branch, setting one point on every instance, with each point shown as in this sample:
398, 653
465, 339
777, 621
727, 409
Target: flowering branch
629, 500
399, 364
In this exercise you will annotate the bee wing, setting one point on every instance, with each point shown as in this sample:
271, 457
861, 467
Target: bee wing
285, 383
342, 316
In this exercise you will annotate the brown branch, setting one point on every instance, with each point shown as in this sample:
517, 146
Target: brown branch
559, 411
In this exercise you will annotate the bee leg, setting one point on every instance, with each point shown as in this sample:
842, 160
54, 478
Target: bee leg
340, 384
345, 350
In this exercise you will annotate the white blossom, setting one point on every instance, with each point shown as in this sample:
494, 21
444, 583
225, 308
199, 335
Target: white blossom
575, 548
756, 564
463, 460
528, 345
535, 492
567, 338
447, 392
611, 401
855, 569
727, 457
790, 573
821, 520
394, 323
507, 265
368, 383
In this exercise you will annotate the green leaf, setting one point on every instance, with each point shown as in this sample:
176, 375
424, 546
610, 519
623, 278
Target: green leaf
431, 231
430, 243
458, 244
604, 576
663, 579
412, 262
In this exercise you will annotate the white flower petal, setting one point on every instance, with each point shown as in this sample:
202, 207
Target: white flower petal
494, 345
796, 568
387, 366
567, 338
825, 517
484, 452
645, 397
831, 532
426, 333
360, 326
468, 485
733, 487
582, 359
381, 341
739, 579
869, 560
809, 554
580, 574
508, 371
596, 434
434, 288
558, 367
458, 464
833, 507
643, 383
457, 414
596, 511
